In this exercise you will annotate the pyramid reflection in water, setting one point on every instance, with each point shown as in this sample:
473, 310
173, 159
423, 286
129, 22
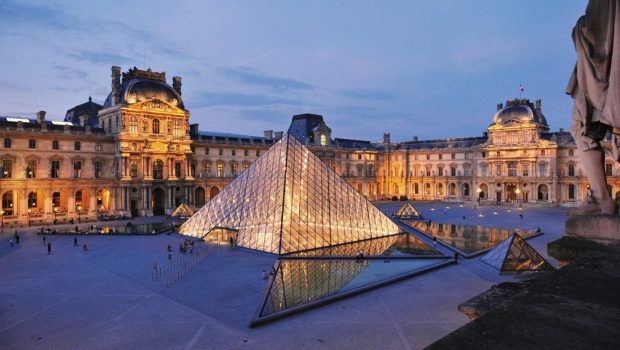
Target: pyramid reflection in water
515, 255
289, 201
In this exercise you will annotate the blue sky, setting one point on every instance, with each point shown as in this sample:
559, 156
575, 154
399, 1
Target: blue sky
412, 68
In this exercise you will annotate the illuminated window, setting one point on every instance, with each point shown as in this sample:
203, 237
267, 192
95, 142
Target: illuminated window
55, 144
32, 200
512, 169
323, 140
155, 126
55, 199
220, 169
31, 169
98, 169
133, 125
134, 169
608, 169
7, 168
77, 169
7, 203
158, 169
55, 169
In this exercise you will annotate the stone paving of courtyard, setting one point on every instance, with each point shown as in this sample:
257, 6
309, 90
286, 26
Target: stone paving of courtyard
105, 298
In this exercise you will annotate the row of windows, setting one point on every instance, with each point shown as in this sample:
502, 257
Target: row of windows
32, 144
174, 126
31, 169
220, 151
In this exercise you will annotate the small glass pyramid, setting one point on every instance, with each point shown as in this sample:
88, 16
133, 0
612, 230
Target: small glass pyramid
514, 255
408, 211
290, 201
183, 211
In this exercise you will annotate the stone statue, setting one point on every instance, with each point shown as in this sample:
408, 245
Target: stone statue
595, 89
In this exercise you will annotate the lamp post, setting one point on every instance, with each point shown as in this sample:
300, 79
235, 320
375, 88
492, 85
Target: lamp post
55, 214
79, 212
29, 211
2, 216
517, 192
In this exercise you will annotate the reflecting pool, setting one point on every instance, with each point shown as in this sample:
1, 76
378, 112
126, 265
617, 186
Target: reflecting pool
141, 229
467, 240
299, 284
400, 245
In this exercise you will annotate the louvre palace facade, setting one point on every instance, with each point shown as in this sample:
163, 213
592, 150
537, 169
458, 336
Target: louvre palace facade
139, 155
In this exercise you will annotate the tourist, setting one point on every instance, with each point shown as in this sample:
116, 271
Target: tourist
44, 238
75, 242
11, 241
434, 241
456, 258
232, 243
85, 247
463, 217
521, 215
49, 248
77, 229
169, 248
264, 275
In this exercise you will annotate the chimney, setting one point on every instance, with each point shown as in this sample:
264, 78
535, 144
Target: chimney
176, 84
116, 85
84, 120
485, 134
415, 138
279, 134
539, 107
268, 134
41, 117
499, 106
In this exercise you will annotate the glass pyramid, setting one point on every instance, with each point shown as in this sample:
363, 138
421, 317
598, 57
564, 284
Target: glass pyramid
183, 211
408, 211
513, 255
290, 201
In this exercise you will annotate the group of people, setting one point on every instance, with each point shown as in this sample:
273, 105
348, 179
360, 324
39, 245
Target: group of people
186, 247
265, 275
14, 240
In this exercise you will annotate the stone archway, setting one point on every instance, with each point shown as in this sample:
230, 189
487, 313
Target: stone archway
199, 196
158, 201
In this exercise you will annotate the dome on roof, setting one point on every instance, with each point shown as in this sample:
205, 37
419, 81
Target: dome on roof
139, 90
519, 110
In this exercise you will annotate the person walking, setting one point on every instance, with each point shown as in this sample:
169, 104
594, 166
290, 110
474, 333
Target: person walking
44, 238
16, 237
11, 241
49, 248
75, 242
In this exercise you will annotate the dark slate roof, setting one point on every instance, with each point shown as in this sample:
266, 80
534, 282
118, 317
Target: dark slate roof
224, 136
560, 137
355, 144
520, 110
139, 85
466, 142
89, 108
303, 125
29, 123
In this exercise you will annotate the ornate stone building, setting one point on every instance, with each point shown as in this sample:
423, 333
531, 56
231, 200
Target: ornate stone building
138, 155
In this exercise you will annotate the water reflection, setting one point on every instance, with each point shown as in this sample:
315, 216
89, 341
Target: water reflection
403, 245
299, 282
467, 239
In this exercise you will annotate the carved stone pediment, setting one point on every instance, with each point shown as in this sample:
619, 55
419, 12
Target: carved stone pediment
156, 105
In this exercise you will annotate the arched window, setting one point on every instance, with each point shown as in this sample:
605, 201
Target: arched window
78, 198
323, 140
440, 189
427, 189
416, 188
155, 126
7, 203
32, 200
55, 199
543, 193
483, 191
465, 190
158, 169
133, 125
571, 191
453, 189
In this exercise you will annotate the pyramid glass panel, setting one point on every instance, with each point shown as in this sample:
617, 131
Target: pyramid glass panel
183, 211
515, 255
408, 211
288, 201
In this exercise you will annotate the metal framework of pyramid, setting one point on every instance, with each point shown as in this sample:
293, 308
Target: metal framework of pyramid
183, 210
289, 201
514, 255
408, 211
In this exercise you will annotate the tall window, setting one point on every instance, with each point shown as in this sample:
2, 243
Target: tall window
220, 169
512, 169
55, 199
32, 144
77, 145
31, 169
32, 200
55, 144
176, 128
8, 143
177, 169
97, 147
543, 192
233, 168
134, 169
77, 169
440, 170
608, 169
7, 203
133, 125
98, 169
55, 169
245, 152
220, 151
78, 199
571, 169
484, 169
542, 169
155, 126
571, 191
207, 166
257, 153
323, 140
452, 170
158, 169
246, 165
498, 169
233, 152
7, 168
526, 169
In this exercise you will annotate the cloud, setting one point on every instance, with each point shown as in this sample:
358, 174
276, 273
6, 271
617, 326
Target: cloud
18, 13
363, 94
252, 77
99, 57
211, 99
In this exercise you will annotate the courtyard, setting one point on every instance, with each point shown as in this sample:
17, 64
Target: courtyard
107, 297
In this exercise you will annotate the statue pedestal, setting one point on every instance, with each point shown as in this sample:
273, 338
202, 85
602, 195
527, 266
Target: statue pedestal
600, 228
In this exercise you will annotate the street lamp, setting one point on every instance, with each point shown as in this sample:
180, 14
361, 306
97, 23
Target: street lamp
29, 211
518, 192
55, 214
79, 212
2, 217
